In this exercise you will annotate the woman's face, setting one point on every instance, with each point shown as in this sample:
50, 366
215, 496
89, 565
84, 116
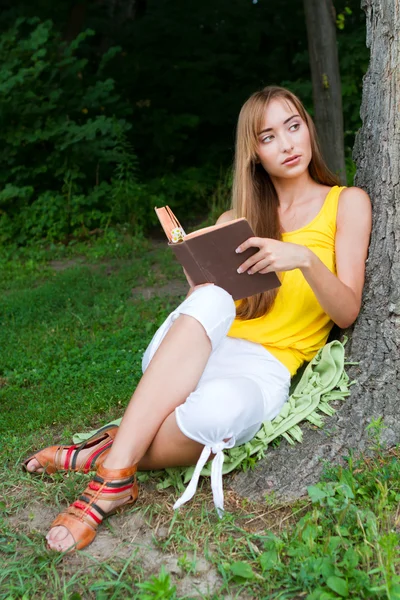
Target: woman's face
284, 148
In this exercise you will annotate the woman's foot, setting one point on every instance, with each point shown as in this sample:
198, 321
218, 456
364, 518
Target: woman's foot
34, 466
84, 457
60, 538
76, 528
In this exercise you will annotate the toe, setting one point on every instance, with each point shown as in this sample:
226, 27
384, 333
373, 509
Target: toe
34, 466
60, 539
57, 534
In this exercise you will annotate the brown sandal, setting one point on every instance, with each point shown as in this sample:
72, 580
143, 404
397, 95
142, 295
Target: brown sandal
50, 458
79, 517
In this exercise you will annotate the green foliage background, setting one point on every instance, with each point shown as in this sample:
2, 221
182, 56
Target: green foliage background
106, 113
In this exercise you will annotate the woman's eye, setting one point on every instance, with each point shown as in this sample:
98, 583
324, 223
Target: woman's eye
295, 125
267, 139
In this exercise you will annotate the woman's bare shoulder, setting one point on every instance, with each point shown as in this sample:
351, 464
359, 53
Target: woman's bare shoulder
354, 201
229, 215
355, 192
354, 211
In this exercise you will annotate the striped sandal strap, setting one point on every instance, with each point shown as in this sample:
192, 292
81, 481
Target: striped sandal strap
68, 463
102, 441
109, 485
51, 458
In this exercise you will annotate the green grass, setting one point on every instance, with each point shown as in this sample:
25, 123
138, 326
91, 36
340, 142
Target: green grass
71, 341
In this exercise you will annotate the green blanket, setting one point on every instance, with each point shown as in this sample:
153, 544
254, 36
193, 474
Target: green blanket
323, 380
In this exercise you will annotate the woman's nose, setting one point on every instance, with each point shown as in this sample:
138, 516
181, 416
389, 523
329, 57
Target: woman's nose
286, 144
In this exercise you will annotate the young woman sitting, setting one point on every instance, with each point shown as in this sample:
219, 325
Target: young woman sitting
215, 371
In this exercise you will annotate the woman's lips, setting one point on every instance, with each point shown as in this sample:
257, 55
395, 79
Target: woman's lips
292, 161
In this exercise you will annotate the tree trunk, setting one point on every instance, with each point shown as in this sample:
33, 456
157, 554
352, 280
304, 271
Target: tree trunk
124, 10
325, 75
120, 13
76, 21
375, 340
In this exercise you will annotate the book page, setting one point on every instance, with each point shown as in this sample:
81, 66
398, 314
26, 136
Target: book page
212, 228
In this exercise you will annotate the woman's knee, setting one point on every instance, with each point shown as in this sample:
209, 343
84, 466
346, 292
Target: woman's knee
219, 299
211, 306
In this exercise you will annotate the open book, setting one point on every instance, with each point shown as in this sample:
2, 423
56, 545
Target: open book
209, 256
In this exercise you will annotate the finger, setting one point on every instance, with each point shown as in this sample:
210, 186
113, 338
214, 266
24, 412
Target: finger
260, 266
250, 243
266, 270
252, 260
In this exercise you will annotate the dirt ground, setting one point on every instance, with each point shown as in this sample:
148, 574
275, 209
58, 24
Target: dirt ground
130, 533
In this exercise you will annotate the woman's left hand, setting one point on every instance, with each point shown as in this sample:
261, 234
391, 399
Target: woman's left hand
273, 255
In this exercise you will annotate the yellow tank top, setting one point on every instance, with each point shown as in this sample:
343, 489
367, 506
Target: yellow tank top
296, 327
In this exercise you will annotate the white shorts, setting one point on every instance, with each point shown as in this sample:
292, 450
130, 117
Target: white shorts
242, 385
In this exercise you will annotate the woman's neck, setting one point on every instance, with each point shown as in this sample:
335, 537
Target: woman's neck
293, 191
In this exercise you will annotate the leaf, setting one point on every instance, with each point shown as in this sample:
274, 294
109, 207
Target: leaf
338, 585
320, 594
315, 493
334, 542
346, 491
242, 569
310, 533
351, 558
394, 592
325, 566
268, 560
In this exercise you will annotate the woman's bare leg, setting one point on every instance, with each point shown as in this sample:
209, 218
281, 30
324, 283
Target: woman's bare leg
170, 448
171, 376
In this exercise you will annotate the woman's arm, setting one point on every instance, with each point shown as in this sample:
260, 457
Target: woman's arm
339, 295
229, 215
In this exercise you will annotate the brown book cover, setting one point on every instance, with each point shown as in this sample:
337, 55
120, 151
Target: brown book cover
209, 256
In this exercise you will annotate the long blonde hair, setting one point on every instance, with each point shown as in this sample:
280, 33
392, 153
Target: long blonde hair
254, 196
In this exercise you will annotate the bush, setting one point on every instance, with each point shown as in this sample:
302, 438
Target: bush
66, 164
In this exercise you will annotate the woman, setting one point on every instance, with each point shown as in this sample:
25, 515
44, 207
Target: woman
213, 375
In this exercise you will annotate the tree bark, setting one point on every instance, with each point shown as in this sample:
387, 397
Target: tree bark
121, 13
325, 75
76, 21
375, 340
124, 10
